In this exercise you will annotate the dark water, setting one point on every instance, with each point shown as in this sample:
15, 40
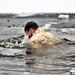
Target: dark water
56, 60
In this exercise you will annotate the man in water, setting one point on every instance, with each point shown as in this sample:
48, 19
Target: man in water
38, 37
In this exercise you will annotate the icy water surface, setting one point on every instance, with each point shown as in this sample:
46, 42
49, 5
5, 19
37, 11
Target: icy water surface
56, 60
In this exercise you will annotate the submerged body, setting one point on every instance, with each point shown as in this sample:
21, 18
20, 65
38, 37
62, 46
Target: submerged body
41, 38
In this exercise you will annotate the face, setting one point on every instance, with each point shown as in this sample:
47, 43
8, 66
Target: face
30, 32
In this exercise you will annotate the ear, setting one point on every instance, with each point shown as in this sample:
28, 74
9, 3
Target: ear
32, 30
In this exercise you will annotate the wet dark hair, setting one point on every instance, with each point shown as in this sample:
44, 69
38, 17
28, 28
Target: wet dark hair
29, 25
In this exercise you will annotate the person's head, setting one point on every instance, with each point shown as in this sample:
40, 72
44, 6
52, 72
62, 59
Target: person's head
30, 28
